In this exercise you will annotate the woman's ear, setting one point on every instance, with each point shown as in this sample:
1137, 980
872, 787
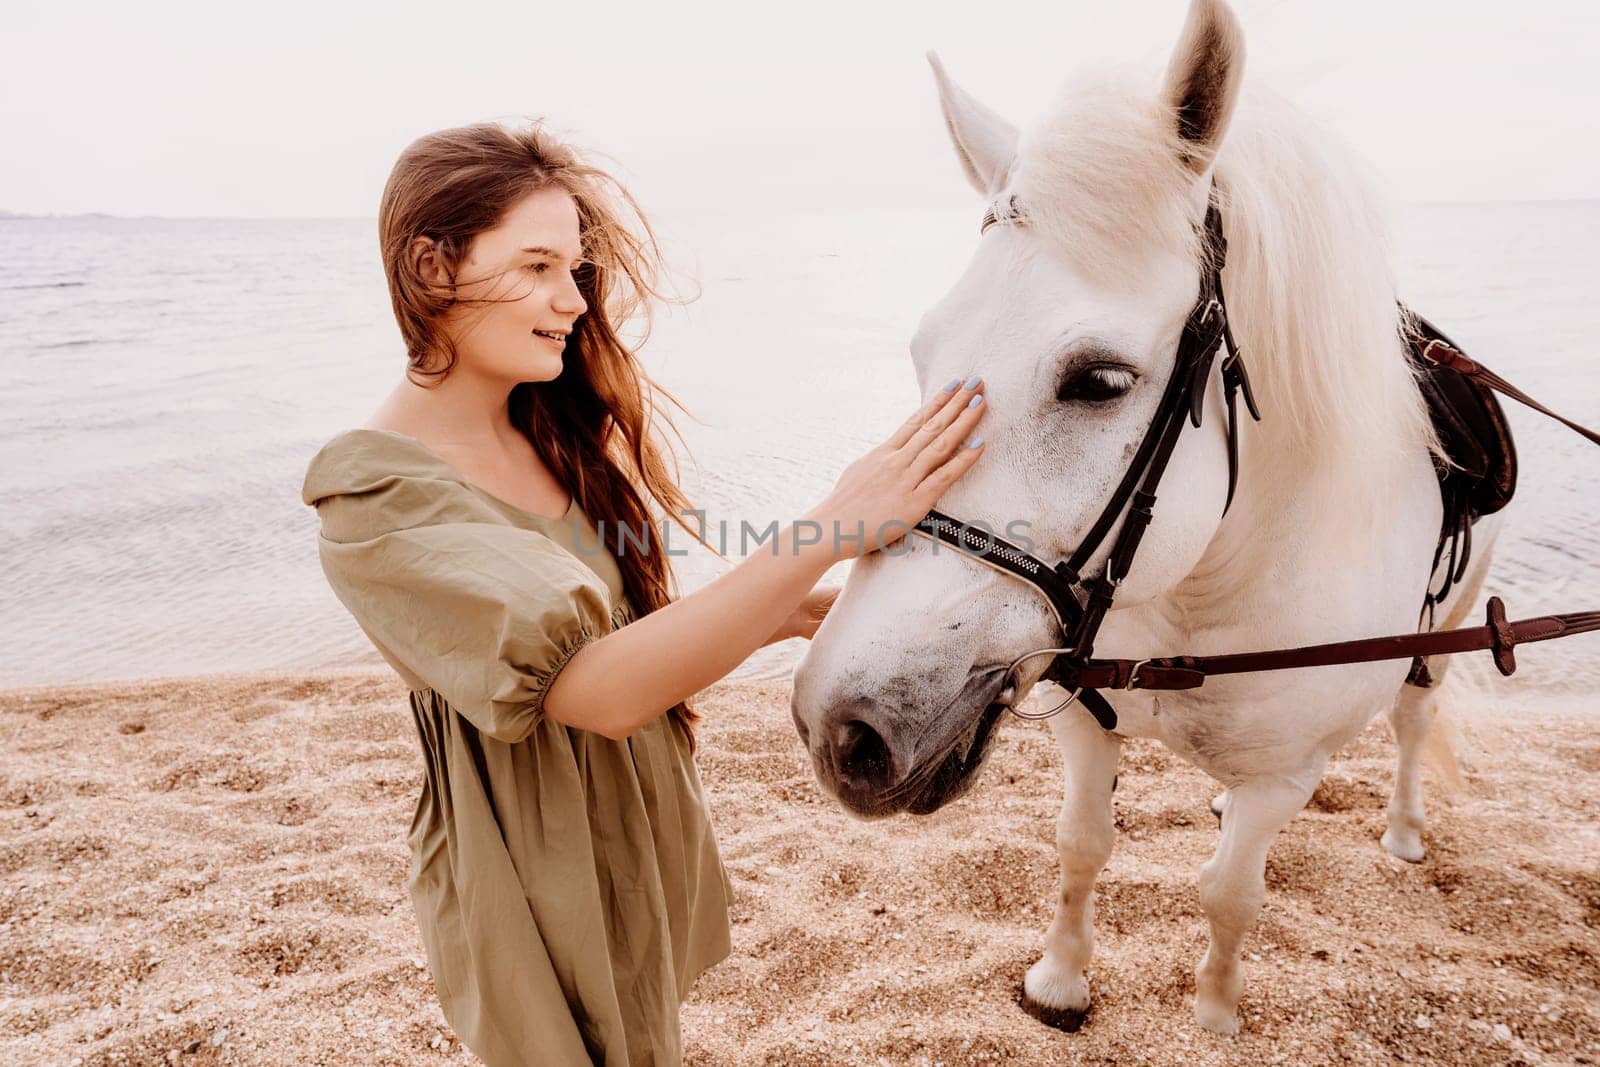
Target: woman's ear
429, 264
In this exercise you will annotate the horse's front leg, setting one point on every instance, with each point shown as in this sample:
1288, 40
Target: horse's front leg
1055, 990
1233, 887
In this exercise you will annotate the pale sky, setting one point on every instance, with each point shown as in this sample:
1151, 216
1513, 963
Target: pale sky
298, 108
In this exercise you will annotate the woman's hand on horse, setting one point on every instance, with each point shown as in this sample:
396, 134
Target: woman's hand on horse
889, 490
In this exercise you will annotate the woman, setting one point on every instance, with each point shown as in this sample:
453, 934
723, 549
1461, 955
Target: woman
564, 873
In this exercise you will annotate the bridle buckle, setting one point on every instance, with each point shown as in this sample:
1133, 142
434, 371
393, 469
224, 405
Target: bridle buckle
1133, 676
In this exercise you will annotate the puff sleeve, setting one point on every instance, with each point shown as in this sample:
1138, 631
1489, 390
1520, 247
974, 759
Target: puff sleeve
483, 612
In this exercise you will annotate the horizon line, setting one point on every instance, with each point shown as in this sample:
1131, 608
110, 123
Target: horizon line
7, 215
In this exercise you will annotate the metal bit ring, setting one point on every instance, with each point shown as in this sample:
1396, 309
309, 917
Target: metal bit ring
1035, 716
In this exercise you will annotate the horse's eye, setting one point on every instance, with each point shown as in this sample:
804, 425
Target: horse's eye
1098, 384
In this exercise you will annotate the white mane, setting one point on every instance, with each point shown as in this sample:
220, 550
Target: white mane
1309, 283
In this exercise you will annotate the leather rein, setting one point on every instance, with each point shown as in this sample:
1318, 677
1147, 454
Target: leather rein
1081, 602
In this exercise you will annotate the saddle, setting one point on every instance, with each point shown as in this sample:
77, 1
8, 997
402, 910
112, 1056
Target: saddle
1480, 475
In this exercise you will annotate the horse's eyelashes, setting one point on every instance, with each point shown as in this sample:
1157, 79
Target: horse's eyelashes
1099, 384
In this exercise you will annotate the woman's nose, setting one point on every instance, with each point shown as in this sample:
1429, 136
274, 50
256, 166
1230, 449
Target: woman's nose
569, 300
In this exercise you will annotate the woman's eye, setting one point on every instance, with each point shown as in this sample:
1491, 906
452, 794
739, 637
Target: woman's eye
1098, 385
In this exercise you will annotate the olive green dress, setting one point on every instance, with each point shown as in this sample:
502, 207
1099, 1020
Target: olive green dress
567, 886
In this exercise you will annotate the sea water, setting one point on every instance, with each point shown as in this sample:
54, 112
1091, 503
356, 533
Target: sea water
166, 382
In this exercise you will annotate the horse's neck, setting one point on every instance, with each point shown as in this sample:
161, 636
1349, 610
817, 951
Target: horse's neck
1294, 551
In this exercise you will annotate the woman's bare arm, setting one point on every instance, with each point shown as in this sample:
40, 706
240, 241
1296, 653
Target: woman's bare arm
630, 677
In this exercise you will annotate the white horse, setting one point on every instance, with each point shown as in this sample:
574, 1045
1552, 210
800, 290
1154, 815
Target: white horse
1071, 310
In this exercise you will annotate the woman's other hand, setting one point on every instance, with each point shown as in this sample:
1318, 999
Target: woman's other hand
889, 490
804, 620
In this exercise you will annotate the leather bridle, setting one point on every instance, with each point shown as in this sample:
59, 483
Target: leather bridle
1080, 602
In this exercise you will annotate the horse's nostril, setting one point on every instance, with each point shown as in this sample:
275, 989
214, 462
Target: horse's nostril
861, 756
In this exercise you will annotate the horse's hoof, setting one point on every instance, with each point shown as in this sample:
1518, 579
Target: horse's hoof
1407, 847
1217, 1018
1067, 1019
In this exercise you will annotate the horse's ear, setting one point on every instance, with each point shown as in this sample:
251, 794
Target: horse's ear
985, 143
1202, 82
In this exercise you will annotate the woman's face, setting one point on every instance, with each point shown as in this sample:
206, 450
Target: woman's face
522, 272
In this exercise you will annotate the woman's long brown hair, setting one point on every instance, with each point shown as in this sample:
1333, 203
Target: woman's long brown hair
598, 424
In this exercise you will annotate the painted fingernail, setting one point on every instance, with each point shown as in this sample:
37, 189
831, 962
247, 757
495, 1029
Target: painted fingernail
972, 382
975, 401
952, 386
975, 442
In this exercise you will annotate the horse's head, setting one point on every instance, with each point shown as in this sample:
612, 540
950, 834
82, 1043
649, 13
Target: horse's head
1071, 310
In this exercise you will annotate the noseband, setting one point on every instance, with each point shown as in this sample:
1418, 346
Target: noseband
1080, 602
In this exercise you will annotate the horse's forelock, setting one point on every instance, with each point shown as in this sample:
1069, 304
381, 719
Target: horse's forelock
1102, 178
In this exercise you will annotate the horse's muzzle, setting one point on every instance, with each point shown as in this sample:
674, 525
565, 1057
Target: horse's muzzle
880, 759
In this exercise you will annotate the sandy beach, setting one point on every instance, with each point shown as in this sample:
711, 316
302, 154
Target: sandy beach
213, 870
